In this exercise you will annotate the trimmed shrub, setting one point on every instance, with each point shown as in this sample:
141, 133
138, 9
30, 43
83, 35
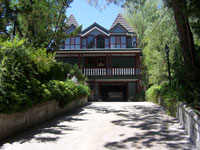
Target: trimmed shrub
30, 76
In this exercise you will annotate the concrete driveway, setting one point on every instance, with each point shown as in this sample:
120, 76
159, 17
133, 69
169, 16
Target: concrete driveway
106, 126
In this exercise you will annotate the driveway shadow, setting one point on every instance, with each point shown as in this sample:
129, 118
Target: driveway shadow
155, 129
50, 131
154, 126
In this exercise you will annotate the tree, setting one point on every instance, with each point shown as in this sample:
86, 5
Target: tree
179, 8
42, 22
183, 10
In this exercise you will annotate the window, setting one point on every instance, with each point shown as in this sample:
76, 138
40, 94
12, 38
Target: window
100, 41
72, 43
106, 42
90, 41
118, 42
83, 43
129, 44
134, 42
96, 62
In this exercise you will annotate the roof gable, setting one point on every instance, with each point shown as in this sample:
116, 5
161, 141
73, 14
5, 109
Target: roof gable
71, 29
72, 21
120, 20
118, 29
95, 28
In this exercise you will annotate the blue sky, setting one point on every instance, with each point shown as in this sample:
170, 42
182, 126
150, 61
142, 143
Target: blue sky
87, 15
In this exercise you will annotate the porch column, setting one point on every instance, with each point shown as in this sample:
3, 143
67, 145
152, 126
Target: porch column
138, 86
137, 64
107, 65
82, 62
79, 61
110, 65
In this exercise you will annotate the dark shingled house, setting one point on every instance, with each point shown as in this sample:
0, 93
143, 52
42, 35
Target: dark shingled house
109, 58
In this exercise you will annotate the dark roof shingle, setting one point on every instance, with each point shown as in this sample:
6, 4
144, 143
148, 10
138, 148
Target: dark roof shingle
119, 19
72, 21
94, 25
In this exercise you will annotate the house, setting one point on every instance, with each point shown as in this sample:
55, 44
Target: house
109, 58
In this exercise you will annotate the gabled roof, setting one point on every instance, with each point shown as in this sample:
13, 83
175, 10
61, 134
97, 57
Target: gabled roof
118, 25
120, 20
72, 21
95, 26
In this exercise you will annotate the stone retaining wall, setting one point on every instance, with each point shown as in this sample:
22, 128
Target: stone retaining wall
13, 123
191, 122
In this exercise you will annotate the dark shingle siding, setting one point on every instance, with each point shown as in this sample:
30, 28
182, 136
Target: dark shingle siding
72, 21
123, 23
94, 25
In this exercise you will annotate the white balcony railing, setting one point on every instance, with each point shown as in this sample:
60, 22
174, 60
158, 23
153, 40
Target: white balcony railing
108, 71
94, 71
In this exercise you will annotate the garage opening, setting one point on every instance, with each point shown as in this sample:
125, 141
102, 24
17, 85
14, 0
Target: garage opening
115, 92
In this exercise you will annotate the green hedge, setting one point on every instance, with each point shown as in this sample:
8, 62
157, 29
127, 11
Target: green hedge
30, 76
165, 95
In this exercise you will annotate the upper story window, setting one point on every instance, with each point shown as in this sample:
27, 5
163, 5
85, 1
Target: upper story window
134, 41
83, 43
118, 41
72, 43
131, 42
107, 44
100, 41
90, 41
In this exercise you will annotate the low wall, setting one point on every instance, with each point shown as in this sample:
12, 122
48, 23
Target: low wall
191, 122
12, 123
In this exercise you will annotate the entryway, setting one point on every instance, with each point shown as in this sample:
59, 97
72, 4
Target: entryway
114, 92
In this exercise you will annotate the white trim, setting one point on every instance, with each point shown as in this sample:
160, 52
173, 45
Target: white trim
71, 28
93, 51
120, 27
111, 80
94, 29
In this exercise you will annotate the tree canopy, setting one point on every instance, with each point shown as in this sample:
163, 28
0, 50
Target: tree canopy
41, 22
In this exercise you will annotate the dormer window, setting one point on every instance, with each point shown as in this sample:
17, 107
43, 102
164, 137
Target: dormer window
100, 41
90, 41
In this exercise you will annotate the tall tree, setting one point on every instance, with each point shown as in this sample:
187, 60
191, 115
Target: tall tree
182, 14
185, 34
42, 22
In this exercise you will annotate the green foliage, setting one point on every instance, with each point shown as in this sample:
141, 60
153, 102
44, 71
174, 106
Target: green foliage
30, 76
41, 22
152, 93
66, 91
154, 22
164, 95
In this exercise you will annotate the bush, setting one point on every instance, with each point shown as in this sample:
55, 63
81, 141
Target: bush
164, 95
21, 71
66, 91
30, 76
152, 94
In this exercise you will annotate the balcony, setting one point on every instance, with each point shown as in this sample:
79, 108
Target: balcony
111, 71
102, 49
